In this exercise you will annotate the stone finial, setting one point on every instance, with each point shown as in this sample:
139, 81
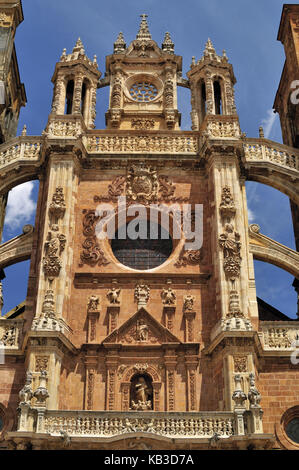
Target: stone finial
119, 45
143, 32
261, 132
24, 131
168, 44
224, 56
95, 61
79, 46
209, 49
193, 62
141, 294
63, 55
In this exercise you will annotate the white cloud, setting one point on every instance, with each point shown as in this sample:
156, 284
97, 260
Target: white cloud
268, 123
20, 206
251, 216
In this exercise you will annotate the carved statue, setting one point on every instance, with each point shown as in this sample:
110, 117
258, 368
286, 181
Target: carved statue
57, 206
142, 294
93, 303
231, 245
55, 243
113, 295
168, 296
254, 395
141, 331
26, 393
189, 303
141, 395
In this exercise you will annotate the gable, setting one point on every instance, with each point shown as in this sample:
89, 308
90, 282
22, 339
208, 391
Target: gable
141, 329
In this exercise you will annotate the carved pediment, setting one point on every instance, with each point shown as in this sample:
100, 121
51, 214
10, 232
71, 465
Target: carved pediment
144, 48
141, 329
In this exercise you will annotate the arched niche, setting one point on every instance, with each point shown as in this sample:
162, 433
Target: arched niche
152, 379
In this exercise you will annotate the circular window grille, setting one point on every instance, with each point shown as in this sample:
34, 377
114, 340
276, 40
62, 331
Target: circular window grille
292, 430
143, 91
143, 253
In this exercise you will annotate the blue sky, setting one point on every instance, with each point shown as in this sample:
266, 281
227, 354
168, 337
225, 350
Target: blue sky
247, 30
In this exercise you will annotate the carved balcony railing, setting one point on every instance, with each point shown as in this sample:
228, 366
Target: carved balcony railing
10, 334
261, 150
221, 127
279, 335
20, 149
109, 424
104, 142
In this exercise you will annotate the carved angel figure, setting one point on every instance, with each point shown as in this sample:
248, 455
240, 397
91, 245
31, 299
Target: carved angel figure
93, 303
56, 241
189, 302
26, 393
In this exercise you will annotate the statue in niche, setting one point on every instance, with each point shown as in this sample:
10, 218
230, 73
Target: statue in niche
141, 330
141, 394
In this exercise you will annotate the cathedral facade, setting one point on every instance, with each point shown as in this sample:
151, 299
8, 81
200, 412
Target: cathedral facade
155, 340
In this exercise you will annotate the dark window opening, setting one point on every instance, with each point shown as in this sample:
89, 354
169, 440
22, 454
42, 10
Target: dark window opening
83, 98
143, 253
203, 101
69, 96
217, 98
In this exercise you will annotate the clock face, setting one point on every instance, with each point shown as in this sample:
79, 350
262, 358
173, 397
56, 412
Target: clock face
292, 430
143, 91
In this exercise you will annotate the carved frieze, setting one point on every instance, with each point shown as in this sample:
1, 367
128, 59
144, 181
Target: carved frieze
240, 364
142, 123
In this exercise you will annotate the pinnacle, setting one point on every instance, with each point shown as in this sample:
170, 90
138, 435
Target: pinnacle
168, 45
143, 32
79, 46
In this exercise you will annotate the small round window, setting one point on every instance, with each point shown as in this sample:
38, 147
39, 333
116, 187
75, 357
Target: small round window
143, 91
144, 253
292, 430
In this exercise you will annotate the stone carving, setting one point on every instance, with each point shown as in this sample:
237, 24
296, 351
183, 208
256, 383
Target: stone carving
142, 330
41, 393
119, 45
91, 254
113, 296
140, 367
141, 294
111, 388
143, 144
9, 337
231, 245
54, 246
227, 205
278, 338
26, 392
240, 364
65, 128
30, 150
115, 189
192, 388
258, 151
222, 130
183, 426
47, 320
167, 188
90, 388
234, 310
238, 396
189, 303
57, 206
141, 393
142, 183
168, 296
254, 395
142, 123
188, 257
171, 390
167, 44
93, 303
41, 363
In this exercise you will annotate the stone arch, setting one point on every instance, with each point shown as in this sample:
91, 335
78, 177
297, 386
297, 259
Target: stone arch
125, 384
282, 182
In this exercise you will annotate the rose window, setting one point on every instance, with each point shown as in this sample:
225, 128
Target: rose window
143, 91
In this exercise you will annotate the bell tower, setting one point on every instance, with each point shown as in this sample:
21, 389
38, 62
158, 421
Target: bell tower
143, 81
211, 82
75, 84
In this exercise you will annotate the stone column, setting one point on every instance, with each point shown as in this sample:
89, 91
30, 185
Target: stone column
77, 94
112, 360
91, 370
170, 361
191, 362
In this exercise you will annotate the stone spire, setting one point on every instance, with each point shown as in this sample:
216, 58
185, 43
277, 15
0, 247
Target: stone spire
79, 48
143, 32
167, 44
119, 45
209, 49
